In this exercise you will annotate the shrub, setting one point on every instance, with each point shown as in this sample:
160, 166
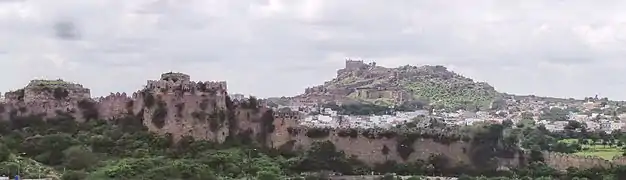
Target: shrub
148, 98
267, 121
369, 134
160, 113
352, 133
318, 133
405, 145
129, 106
179, 109
60, 93
88, 108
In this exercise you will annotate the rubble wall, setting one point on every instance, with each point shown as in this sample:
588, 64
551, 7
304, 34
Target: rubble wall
562, 161
289, 136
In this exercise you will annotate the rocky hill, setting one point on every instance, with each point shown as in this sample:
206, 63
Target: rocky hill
171, 105
436, 85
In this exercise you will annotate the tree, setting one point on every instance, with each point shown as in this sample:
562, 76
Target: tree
74, 175
573, 125
5, 152
507, 123
79, 157
266, 175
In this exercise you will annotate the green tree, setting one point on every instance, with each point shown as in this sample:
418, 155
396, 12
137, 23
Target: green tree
5, 152
79, 157
267, 175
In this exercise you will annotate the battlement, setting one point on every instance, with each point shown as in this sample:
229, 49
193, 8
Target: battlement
179, 82
114, 96
49, 90
355, 64
52, 84
216, 85
175, 77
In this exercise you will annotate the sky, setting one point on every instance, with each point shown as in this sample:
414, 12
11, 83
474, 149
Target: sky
559, 48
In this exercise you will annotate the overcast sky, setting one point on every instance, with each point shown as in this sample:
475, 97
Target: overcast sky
571, 48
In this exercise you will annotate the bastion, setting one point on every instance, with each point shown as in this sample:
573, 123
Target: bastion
48, 98
49, 90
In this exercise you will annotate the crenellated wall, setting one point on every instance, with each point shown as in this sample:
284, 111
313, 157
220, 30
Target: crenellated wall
115, 105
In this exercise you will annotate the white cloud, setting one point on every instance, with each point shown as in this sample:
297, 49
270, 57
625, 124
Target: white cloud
279, 47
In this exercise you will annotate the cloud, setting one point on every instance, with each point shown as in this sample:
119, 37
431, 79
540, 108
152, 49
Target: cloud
279, 47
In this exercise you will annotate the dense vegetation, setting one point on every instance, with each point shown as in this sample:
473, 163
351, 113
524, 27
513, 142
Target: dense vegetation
447, 89
468, 98
124, 149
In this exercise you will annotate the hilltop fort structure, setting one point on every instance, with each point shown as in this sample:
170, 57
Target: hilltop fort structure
180, 107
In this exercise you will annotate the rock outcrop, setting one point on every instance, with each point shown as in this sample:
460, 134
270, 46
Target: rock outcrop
363, 82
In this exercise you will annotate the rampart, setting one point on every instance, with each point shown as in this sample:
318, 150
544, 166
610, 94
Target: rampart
362, 144
203, 110
562, 161
115, 105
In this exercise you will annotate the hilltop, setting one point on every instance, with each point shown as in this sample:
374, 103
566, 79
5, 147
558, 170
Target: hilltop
435, 85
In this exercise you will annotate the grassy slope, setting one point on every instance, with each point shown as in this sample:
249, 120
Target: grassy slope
443, 94
433, 83
30, 168
605, 152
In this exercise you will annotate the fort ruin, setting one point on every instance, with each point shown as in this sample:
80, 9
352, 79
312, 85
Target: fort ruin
178, 106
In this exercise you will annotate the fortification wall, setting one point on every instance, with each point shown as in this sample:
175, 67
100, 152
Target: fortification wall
619, 160
54, 90
203, 110
184, 108
563, 161
355, 65
115, 105
289, 136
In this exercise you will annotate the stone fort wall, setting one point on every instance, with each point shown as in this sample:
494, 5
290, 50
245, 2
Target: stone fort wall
289, 136
562, 161
176, 105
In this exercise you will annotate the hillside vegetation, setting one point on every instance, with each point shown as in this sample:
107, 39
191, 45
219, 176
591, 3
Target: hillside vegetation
433, 84
61, 148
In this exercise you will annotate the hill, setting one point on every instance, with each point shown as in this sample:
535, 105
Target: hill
435, 85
